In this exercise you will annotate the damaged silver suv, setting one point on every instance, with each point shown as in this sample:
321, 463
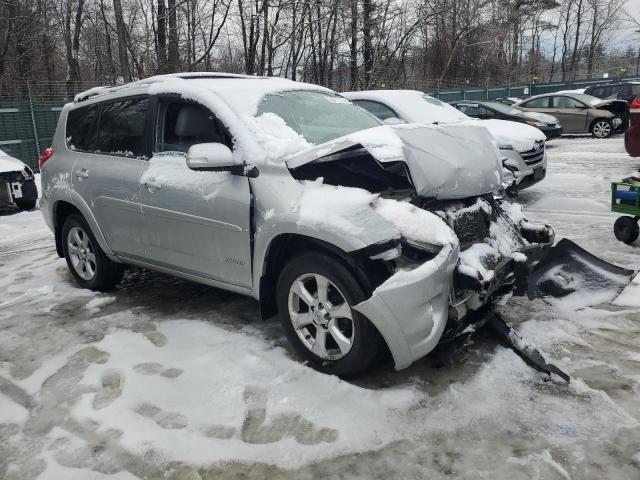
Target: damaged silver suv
362, 236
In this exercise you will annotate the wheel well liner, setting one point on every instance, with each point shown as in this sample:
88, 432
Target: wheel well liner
368, 273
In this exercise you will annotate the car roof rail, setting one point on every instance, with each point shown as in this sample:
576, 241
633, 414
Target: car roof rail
96, 91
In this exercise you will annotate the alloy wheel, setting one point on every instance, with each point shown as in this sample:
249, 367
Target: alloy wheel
602, 129
321, 316
83, 258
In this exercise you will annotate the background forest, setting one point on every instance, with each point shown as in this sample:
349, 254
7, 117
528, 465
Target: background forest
345, 44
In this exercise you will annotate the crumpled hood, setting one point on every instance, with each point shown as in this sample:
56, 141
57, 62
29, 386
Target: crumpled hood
445, 162
541, 117
9, 164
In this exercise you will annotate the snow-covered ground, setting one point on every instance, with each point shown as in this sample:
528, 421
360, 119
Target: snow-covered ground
168, 379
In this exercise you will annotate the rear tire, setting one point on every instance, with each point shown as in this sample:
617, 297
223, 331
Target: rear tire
601, 128
315, 293
88, 264
626, 229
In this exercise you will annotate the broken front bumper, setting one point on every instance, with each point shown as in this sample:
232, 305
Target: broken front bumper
410, 309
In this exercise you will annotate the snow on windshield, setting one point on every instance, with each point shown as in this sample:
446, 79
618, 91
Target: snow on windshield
317, 116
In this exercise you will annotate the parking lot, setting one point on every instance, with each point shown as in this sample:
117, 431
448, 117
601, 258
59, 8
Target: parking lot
164, 378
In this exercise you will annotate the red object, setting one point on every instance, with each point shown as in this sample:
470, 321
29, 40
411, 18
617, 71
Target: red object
44, 156
632, 135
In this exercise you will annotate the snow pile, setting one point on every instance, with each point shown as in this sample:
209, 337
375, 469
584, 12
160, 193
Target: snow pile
341, 210
169, 169
9, 164
381, 142
277, 139
630, 296
415, 223
232, 396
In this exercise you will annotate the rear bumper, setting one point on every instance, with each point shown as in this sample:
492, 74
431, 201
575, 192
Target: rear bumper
410, 309
13, 182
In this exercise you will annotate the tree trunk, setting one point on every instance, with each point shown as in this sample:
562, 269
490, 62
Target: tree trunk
367, 52
353, 47
121, 31
161, 34
173, 63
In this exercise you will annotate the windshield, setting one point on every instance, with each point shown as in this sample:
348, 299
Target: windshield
318, 116
502, 108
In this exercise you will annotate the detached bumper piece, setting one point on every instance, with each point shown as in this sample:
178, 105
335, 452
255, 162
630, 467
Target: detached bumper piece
531, 356
568, 266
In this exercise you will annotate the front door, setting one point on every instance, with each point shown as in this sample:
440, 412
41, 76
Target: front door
108, 143
197, 222
571, 113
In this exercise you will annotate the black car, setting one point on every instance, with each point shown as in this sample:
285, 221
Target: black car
485, 110
619, 90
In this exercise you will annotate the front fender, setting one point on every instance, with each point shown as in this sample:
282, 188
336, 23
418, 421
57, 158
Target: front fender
268, 228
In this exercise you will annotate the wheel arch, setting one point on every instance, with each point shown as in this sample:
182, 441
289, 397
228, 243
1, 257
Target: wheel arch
63, 208
281, 248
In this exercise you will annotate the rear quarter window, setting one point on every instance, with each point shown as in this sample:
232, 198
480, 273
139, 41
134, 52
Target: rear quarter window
81, 128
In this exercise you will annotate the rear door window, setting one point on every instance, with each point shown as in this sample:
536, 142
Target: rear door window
81, 128
565, 102
542, 102
122, 128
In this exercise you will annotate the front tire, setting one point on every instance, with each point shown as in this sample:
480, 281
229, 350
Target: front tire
601, 128
87, 262
315, 296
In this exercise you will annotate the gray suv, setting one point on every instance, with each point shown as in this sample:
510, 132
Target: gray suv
362, 236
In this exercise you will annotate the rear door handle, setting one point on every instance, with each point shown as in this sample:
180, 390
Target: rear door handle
82, 173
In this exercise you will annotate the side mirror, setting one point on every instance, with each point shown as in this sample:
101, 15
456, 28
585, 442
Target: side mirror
210, 156
216, 157
392, 121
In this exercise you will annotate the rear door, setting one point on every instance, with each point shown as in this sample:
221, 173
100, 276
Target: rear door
197, 222
108, 167
571, 112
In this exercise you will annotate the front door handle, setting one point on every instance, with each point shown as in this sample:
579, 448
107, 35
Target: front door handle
152, 185
82, 173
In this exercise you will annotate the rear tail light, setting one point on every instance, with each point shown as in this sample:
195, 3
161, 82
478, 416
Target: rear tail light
635, 103
44, 156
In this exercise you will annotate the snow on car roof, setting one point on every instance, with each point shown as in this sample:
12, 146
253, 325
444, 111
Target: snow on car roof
242, 92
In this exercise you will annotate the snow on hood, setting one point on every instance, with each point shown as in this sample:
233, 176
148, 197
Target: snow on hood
520, 136
441, 165
9, 164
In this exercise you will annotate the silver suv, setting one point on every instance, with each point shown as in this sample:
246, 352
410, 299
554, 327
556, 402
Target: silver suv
362, 236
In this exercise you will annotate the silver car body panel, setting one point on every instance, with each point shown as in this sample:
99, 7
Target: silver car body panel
409, 309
